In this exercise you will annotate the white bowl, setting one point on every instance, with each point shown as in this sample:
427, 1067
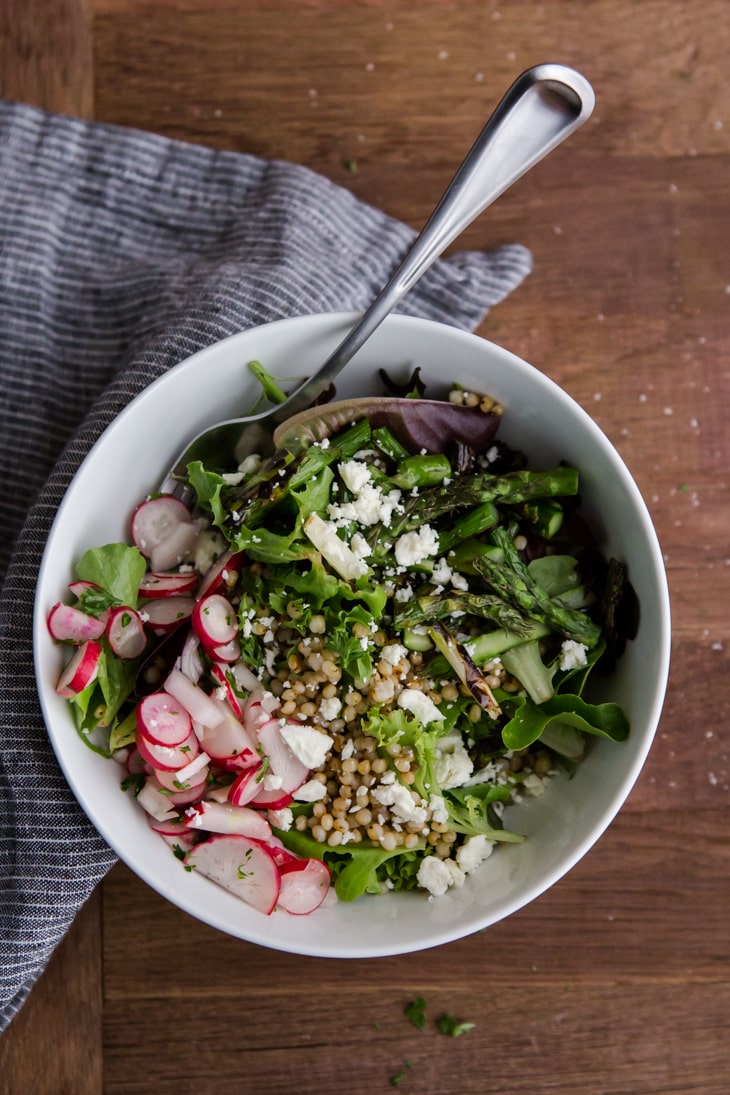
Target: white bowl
129, 460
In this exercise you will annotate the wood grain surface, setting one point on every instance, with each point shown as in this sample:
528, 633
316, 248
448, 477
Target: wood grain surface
617, 981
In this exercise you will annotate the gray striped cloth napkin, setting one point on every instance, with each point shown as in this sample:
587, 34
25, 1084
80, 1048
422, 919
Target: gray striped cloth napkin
121, 253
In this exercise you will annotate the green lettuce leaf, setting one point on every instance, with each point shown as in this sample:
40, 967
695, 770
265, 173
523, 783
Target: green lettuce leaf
117, 568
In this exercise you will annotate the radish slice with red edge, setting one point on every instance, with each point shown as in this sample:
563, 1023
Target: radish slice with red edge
191, 775
258, 709
214, 620
163, 720
81, 671
223, 676
166, 584
216, 575
304, 885
167, 613
137, 765
272, 800
202, 709
126, 633
220, 817
81, 587
227, 743
243, 866
173, 826
155, 519
70, 625
228, 652
165, 757
246, 786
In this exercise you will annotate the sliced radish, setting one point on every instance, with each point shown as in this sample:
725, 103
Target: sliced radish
219, 817
258, 709
157, 804
176, 548
173, 826
215, 576
191, 772
246, 786
81, 671
304, 885
224, 678
245, 678
272, 800
214, 620
167, 613
179, 842
126, 633
193, 698
163, 720
282, 856
70, 625
283, 763
228, 743
166, 584
227, 652
167, 758
243, 866
155, 519
81, 587
191, 663
193, 775
137, 765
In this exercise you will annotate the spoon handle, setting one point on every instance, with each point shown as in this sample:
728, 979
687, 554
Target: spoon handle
544, 106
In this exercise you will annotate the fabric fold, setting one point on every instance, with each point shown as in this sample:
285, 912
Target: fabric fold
122, 253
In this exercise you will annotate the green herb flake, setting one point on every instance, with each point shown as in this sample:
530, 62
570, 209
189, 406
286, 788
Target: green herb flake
415, 1012
449, 1026
397, 1078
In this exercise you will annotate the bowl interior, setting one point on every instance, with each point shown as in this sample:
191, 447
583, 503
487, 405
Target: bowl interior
541, 419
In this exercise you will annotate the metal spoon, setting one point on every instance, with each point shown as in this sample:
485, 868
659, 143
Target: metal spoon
544, 106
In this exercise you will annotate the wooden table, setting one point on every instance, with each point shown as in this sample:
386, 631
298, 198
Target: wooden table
617, 980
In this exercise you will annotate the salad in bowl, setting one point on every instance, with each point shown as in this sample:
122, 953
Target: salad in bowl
365, 671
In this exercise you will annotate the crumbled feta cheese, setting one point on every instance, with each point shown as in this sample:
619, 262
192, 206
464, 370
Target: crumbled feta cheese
281, 819
401, 802
437, 875
572, 654
474, 851
232, 478
405, 593
354, 474
347, 750
453, 765
420, 705
441, 573
308, 745
437, 806
458, 581
413, 547
311, 791
272, 782
393, 653
360, 546
329, 709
